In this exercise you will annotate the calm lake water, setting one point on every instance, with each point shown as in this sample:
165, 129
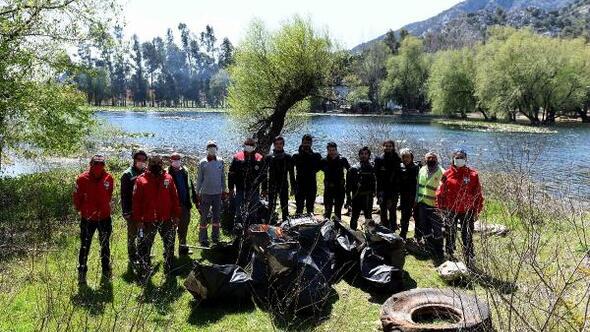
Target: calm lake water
560, 160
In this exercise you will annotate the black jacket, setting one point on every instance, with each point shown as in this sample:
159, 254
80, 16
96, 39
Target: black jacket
190, 194
387, 171
408, 179
279, 171
307, 164
246, 171
127, 183
334, 172
360, 180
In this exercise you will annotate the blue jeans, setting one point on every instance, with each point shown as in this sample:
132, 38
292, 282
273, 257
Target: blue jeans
210, 204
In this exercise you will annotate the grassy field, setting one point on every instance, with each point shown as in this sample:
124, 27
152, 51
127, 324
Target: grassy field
39, 291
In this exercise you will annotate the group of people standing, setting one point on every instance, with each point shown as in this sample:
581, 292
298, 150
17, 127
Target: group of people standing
157, 200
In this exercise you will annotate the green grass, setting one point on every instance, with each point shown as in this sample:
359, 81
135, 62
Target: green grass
38, 287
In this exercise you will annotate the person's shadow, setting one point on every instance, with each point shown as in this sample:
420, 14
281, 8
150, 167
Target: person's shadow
162, 296
94, 300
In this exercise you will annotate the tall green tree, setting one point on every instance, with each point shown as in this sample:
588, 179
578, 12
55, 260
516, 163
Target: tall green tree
391, 41
368, 74
407, 74
139, 83
451, 86
39, 114
274, 73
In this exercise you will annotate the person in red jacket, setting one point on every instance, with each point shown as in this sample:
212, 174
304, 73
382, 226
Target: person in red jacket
156, 209
461, 199
92, 199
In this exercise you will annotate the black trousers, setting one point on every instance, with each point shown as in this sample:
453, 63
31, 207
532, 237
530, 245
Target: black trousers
167, 232
333, 198
361, 203
407, 200
87, 230
387, 210
466, 220
283, 195
132, 241
305, 197
432, 229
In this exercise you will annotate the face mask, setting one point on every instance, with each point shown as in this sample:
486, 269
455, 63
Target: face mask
460, 162
431, 163
249, 148
212, 151
140, 165
176, 163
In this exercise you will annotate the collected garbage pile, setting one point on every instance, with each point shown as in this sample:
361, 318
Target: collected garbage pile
292, 267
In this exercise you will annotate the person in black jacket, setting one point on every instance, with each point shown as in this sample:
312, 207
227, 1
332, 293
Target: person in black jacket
279, 167
360, 187
408, 181
246, 173
387, 169
307, 164
186, 195
333, 167
127, 183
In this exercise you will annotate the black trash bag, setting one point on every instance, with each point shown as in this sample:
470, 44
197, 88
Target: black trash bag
386, 243
212, 283
281, 257
303, 290
378, 273
348, 246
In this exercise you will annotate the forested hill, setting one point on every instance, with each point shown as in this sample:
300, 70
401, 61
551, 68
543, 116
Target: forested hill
477, 15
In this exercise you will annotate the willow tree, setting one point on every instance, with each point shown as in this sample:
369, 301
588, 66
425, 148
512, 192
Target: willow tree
274, 75
39, 111
451, 86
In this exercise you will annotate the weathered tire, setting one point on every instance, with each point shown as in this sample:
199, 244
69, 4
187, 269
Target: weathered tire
417, 309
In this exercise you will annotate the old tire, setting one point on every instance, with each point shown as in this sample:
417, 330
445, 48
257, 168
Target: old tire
430, 309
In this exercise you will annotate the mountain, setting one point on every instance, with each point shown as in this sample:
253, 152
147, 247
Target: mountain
464, 8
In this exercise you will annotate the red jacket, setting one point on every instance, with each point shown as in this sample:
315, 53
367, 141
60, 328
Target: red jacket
460, 190
92, 196
155, 198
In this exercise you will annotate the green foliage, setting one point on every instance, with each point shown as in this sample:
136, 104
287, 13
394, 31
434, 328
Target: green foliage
407, 74
451, 86
536, 76
38, 114
368, 72
274, 72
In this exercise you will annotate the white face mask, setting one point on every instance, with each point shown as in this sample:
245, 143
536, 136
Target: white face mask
460, 162
176, 163
249, 148
212, 151
140, 165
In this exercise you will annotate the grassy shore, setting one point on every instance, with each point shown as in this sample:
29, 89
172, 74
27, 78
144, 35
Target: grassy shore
38, 287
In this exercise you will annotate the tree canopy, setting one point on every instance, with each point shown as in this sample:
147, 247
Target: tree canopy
39, 110
275, 73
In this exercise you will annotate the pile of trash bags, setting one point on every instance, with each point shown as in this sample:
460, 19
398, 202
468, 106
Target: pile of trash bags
291, 268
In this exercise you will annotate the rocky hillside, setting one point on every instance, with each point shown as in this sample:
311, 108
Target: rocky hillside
483, 13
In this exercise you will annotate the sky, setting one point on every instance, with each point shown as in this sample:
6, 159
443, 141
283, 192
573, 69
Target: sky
348, 22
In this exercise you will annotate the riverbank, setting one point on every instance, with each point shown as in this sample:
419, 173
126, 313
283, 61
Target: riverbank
541, 255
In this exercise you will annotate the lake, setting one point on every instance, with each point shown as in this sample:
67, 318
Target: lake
560, 160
